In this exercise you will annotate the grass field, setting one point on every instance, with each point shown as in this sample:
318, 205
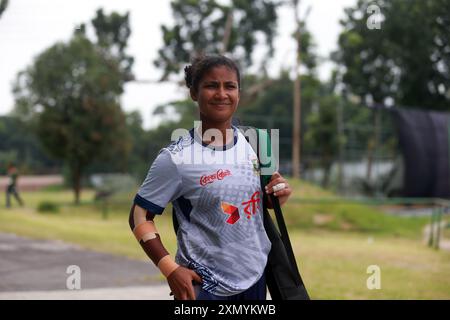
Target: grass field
334, 244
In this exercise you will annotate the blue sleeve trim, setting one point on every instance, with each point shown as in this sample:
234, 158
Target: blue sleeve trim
148, 205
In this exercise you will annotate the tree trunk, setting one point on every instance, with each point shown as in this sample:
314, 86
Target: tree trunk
250, 94
340, 133
372, 148
296, 139
369, 160
327, 162
227, 32
76, 180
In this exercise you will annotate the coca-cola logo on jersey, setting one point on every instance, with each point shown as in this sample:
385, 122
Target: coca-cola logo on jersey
219, 175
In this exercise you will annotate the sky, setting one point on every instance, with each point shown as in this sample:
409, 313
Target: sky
28, 27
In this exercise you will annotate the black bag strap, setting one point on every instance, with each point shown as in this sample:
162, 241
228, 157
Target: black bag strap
276, 204
284, 235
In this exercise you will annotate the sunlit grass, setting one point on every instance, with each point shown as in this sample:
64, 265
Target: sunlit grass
334, 243
83, 224
334, 266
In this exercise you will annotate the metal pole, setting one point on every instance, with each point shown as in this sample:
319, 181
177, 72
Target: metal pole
431, 234
377, 151
296, 130
105, 209
340, 135
438, 230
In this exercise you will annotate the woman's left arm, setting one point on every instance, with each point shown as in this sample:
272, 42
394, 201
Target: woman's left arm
282, 189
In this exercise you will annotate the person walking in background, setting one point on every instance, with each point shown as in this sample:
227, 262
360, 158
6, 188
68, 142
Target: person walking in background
12, 186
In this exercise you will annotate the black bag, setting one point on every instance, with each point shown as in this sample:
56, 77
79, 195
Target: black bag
282, 276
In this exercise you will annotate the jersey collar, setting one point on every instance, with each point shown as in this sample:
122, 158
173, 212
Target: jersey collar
199, 140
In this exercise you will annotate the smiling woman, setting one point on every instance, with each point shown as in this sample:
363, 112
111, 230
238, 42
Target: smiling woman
214, 83
222, 244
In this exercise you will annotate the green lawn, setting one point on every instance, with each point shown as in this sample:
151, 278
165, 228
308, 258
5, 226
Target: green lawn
334, 266
344, 216
334, 244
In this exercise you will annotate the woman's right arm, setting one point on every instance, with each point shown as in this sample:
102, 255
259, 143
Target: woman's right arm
179, 278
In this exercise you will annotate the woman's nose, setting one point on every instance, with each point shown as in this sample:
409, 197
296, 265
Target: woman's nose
220, 93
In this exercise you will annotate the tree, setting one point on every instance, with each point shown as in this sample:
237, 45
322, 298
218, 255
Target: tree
403, 61
73, 91
322, 139
406, 61
266, 102
142, 142
208, 26
19, 145
272, 108
274, 103
186, 113
3, 6
112, 33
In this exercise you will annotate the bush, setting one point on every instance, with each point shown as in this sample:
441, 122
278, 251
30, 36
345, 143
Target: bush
54, 187
48, 207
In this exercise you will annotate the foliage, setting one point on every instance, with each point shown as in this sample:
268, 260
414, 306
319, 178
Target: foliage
209, 26
265, 102
140, 154
20, 145
72, 90
112, 32
272, 107
321, 137
48, 206
3, 6
406, 62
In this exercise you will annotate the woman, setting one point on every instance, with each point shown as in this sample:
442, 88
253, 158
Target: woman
222, 244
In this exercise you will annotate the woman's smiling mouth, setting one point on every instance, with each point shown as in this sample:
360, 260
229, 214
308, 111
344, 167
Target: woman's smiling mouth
223, 105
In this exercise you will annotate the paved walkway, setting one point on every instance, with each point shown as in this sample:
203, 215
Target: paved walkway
156, 292
31, 183
38, 269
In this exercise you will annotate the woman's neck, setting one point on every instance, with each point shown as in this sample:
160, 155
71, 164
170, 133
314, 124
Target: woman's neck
226, 132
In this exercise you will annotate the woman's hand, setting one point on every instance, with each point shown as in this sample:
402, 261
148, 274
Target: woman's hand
282, 194
180, 282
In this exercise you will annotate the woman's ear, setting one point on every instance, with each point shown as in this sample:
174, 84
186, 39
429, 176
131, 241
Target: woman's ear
193, 94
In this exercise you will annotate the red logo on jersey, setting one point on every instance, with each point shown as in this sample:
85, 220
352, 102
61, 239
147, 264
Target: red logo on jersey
251, 205
219, 175
232, 211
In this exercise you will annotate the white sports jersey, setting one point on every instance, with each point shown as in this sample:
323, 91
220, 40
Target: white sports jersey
216, 194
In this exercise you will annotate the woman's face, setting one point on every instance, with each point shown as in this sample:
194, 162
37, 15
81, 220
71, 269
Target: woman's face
217, 95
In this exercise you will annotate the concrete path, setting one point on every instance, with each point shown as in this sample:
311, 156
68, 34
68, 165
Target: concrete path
40, 269
156, 292
32, 183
